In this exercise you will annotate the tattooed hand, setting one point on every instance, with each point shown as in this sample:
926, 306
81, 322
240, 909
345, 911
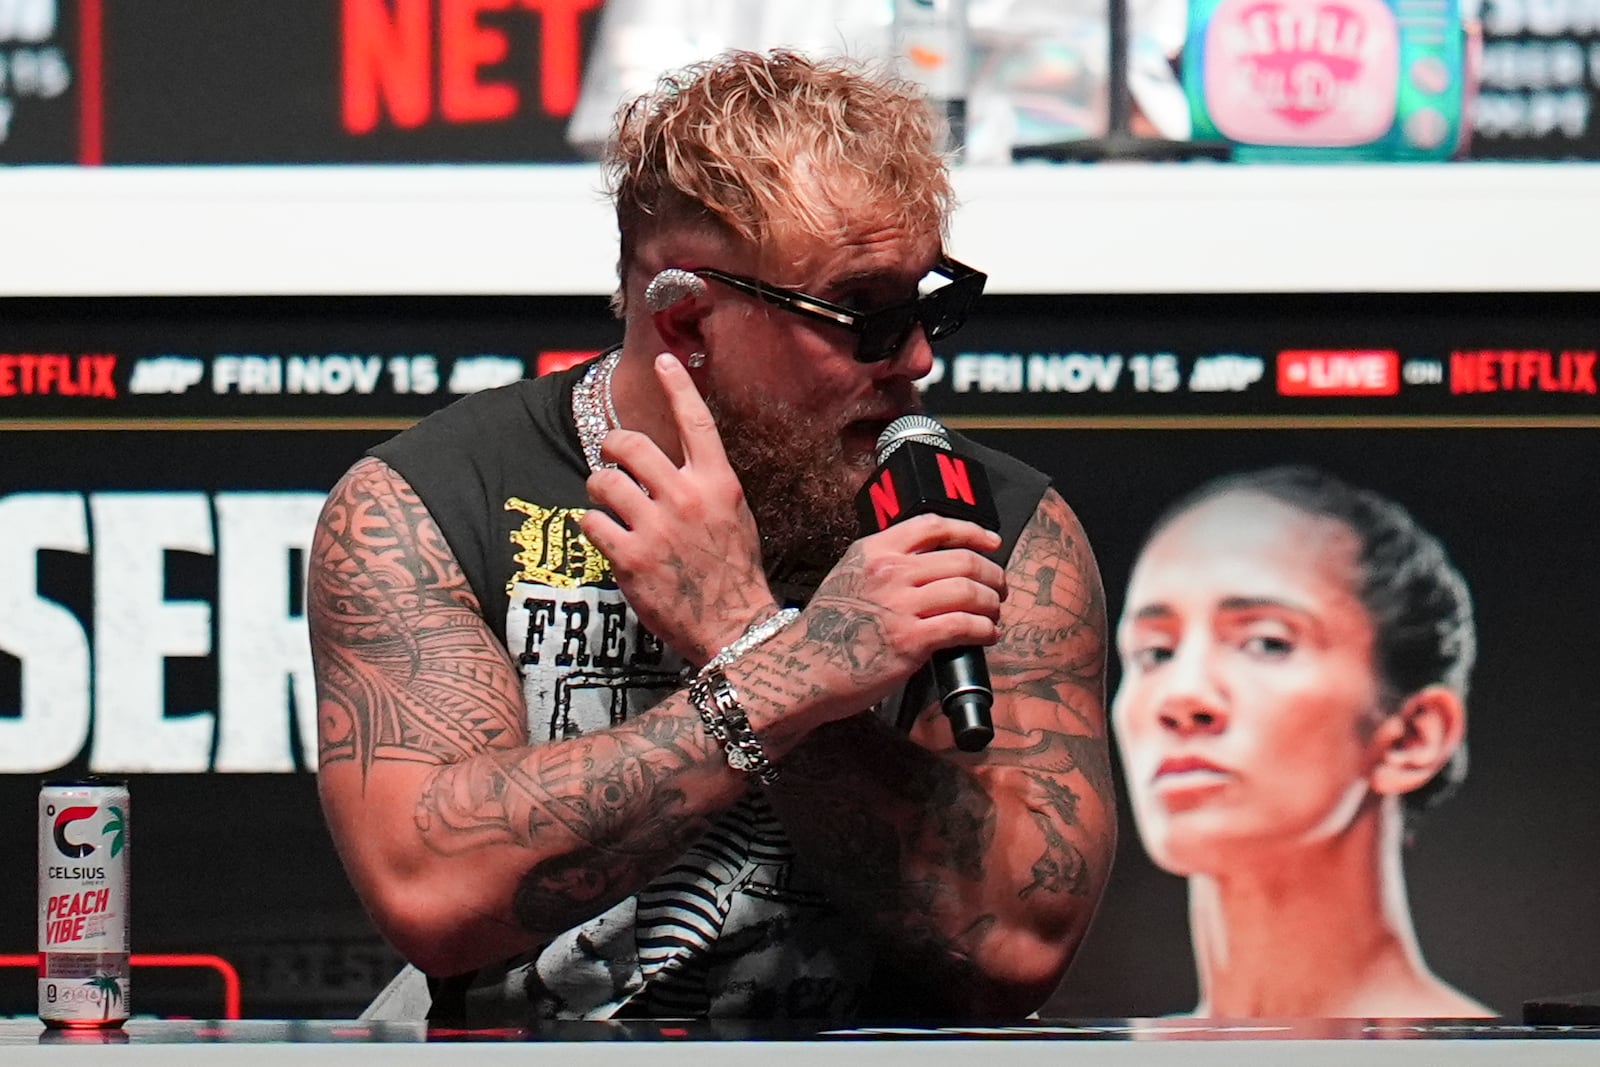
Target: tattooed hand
686, 552
893, 600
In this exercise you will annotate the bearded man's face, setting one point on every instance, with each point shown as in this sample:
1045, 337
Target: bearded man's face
800, 481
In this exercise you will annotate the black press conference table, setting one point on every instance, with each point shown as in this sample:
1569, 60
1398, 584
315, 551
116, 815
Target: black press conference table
1136, 1042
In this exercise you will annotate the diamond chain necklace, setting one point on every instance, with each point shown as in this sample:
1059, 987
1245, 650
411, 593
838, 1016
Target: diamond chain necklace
594, 410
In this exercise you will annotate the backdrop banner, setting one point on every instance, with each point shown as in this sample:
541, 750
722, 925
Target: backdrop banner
162, 463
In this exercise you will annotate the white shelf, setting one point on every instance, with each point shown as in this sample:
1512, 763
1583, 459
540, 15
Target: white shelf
1107, 228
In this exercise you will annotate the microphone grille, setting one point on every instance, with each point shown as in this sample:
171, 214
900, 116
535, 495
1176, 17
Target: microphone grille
908, 428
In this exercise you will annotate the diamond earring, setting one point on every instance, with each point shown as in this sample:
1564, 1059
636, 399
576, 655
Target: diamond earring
670, 286
697, 359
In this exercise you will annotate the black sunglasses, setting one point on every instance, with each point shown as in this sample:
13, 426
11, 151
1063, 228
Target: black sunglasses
881, 333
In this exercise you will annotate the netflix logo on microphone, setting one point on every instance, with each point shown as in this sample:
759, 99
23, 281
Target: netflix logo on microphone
917, 479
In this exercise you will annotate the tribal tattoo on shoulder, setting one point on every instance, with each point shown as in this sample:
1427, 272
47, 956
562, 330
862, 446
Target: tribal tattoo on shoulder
406, 669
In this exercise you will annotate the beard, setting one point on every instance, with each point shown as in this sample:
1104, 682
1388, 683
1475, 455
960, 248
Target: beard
798, 479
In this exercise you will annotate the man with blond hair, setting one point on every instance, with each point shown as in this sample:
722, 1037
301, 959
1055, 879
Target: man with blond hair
614, 704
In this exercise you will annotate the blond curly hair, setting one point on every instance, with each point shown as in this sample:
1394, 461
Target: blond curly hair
769, 148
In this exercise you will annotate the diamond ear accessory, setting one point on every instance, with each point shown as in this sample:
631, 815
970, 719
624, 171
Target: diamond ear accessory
670, 286
697, 359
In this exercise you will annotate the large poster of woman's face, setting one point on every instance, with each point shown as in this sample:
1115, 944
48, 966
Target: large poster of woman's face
1351, 703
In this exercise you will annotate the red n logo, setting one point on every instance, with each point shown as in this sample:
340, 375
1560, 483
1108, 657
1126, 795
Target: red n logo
885, 501
957, 482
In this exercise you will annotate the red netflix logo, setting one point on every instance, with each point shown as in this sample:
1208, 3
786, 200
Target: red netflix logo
919, 479
390, 47
1525, 370
1338, 373
885, 499
955, 479
58, 374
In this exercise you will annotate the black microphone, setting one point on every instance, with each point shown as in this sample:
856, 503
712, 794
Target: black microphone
918, 474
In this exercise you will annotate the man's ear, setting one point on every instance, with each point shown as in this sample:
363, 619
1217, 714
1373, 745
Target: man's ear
677, 304
1417, 740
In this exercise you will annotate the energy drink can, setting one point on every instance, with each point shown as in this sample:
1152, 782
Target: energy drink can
83, 903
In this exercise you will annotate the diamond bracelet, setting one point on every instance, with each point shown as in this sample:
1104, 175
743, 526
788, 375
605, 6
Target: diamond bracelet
756, 634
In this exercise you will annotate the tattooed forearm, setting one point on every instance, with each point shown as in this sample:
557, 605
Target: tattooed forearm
849, 637
620, 801
846, 629
789, 681
609, 791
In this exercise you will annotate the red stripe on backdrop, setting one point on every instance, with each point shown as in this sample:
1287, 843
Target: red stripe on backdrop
230, 976
91, 84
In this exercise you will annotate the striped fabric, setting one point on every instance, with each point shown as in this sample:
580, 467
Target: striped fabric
686, 910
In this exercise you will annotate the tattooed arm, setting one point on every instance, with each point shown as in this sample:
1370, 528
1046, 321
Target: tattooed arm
980, 872
466, 843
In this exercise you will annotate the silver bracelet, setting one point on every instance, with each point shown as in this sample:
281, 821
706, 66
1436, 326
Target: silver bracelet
753, 636
700, 697
726, 721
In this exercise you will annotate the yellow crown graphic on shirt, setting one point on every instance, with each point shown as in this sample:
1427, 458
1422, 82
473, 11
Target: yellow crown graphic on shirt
552, 550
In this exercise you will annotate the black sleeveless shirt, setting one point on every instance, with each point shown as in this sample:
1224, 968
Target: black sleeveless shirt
737, 927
